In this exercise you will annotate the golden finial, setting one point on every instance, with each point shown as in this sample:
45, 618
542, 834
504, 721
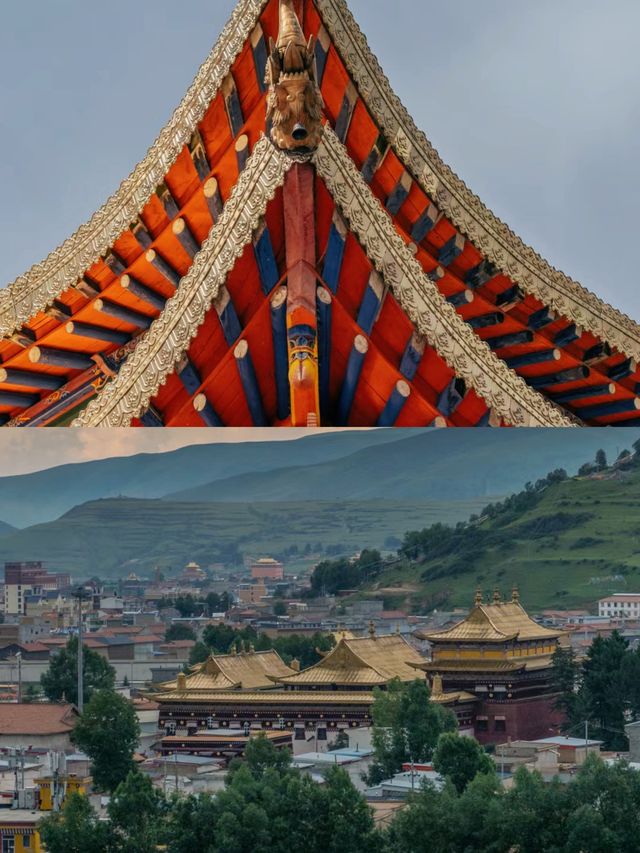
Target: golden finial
436, 686
295, 665
182, 681
479, 598
497, 598
252, 648
290, 29
372, 630
515, 595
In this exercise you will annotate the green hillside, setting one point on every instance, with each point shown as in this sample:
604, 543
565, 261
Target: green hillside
116, 536
578, 542
429, 464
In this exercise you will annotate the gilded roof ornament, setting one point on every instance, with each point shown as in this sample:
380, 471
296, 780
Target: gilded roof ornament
294, 102
515, 595
497, 598
479, 600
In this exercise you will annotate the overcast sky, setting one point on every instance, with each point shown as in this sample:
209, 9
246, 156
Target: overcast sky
535, 104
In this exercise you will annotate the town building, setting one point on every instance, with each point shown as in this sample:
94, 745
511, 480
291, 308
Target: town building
504, 659
41, 727
624, 605
25, 580
267, 569
404, 301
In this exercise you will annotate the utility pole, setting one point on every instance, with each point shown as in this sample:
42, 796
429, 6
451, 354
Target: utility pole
586, 734
19, 659
81, 595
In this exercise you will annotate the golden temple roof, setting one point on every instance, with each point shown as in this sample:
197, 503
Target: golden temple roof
485, 665
247, 670
495, 623
361, 661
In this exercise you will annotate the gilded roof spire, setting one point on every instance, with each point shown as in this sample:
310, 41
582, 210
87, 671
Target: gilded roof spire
515, 595
479, 598
497, 598
372, 630
436, 685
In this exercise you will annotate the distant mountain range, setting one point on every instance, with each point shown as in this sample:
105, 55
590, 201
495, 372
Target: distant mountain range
341, 489
449, 465
6, 528
45, 495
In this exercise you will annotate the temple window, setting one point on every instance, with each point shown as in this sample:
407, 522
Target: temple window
482, 724
500, 724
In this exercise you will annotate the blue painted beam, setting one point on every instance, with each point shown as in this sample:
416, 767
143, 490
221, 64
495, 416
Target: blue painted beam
242, 151
228, 317
323, 302
250, 384
459, 300
265, 258
281, 352
189, 376
343, 122
29, 379
618, 407
16, 400
186, 237
323, 43
213, 198
167, 200
509, 298
375, 158
395, 404
122, 313
141, 291
335, 253
567, 336
60, 358
425, 223
259, 50
585, 393
623, 370
97, 333
485, 321
232, 104
540, 319
513, 340
199, 155
530, 358
399, 194
599, 352
164, 267
206, 411
562, 377
412, 357
115, 263
371, 304
151, 418
481, 275
452, 397
451, 250
352, 377
142, 234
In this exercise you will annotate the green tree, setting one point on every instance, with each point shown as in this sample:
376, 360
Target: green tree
566, 676
280, 608
178, 631
191, 824
76, 829
605, 691
61, 679
108, 732
137, 811
199, 653
406, 727
460, 759
601, 460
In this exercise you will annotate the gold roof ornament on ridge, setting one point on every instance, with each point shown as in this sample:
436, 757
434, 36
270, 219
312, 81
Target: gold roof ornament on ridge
495, 623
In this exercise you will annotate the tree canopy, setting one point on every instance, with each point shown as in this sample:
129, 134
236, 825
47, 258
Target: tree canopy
61, 679
108, 732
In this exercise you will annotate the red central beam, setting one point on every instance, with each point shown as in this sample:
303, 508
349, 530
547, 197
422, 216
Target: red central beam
302, 325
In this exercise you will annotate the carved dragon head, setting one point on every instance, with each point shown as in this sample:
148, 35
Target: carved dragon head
294, 102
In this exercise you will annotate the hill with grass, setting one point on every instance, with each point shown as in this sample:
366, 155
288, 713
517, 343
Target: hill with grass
450, 465
113, 537
564, 544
